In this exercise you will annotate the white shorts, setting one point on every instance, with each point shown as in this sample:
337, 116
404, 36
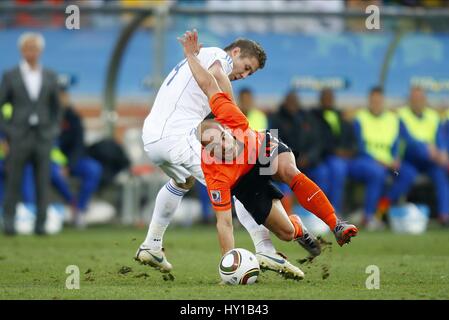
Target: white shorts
178, 156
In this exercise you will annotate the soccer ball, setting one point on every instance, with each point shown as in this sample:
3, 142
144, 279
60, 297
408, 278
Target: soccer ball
239, 266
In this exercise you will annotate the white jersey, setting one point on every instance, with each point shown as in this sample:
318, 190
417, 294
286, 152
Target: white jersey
180, 104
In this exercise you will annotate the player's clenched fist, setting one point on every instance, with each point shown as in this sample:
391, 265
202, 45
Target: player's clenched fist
190, 42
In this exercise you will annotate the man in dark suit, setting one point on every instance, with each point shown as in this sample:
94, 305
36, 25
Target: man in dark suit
299, 130
340, 145
32, 128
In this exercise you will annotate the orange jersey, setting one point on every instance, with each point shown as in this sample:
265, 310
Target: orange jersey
221, 177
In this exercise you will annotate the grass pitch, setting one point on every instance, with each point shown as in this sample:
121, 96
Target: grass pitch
411, 267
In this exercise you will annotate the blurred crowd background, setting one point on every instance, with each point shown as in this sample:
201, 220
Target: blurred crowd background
367, 111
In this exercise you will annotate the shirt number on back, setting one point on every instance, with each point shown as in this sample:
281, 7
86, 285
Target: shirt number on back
178, 66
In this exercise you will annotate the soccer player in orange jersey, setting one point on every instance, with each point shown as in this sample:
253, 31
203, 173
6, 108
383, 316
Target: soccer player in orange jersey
231, 162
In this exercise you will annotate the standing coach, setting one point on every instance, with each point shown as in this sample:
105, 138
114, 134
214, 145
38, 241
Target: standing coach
32, 91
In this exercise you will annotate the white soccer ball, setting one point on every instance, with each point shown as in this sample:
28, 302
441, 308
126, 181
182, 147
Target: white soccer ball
239, 266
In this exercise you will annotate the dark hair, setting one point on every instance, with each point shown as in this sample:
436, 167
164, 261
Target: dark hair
249, 48
416, 87
245, 90
376, 89
326, 90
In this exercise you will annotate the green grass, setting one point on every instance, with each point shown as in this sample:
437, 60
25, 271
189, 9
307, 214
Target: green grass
411, 267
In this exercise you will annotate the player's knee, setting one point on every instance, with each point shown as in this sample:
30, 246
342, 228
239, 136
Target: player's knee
190, 181
288, 172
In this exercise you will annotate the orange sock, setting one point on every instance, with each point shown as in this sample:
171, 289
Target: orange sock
313, 199
297, 224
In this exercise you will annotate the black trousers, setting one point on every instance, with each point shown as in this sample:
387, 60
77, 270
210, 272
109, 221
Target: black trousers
30, 148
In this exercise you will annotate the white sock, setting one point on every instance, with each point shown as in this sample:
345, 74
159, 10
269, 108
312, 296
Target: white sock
167, 202
259, 234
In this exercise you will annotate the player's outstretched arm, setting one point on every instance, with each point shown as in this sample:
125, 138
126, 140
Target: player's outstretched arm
225, 230
204, 78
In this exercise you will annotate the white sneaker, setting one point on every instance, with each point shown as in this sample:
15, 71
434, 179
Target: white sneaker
277, 262
153, 258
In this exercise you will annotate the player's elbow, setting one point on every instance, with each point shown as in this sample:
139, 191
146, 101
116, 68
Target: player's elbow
224, 224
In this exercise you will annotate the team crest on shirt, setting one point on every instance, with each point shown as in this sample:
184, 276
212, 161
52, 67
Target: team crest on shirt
216, 195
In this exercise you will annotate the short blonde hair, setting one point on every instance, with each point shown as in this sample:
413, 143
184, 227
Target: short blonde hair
31, 35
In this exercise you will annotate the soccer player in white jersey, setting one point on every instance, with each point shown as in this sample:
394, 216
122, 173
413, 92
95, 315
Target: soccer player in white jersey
170, 143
